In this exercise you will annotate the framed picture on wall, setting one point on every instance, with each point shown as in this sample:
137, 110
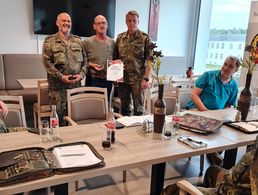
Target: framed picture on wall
154, 19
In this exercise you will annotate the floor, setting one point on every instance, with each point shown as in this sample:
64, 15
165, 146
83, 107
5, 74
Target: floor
138, 180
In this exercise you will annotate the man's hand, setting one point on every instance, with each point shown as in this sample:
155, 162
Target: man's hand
71, 79
97, 67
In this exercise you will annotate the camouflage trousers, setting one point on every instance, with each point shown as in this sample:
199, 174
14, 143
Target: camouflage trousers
125, 92
59, 98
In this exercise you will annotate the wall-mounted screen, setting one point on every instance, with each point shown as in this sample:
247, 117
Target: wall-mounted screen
82, 13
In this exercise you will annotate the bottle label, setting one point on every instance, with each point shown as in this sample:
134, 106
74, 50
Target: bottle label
160, 111
54, 122
111, 124
175, 118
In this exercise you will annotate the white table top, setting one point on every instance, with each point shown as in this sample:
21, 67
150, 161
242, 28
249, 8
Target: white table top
29, 83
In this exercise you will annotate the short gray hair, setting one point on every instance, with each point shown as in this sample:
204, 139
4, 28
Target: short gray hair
235, 59
132, 12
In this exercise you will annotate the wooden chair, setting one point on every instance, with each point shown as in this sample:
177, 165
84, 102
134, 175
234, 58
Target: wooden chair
87, 105
41, 108
170, 95
187, 188
16, 114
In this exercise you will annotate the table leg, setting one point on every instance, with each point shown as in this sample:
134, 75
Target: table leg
230, 158
61, 189
157, 178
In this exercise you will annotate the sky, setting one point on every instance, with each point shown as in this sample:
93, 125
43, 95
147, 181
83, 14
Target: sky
228, 14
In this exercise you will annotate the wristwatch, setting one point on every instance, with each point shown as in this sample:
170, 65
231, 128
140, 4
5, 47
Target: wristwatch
146, 79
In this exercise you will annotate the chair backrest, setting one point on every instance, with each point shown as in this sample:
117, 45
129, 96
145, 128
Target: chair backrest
16, 114
87, 104
185, 95
42, 96
170, 97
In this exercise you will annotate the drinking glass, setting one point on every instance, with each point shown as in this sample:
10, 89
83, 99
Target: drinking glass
44, 131
106, 138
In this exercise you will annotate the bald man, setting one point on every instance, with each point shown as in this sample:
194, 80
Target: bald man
99, 48
65, 61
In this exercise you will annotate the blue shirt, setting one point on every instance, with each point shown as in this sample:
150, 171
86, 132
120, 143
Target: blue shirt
215, 95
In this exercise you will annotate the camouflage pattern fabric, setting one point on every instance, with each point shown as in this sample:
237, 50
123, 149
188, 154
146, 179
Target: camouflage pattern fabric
59, 59
59, 98
124, 92
3, 128
236, 181
133, 51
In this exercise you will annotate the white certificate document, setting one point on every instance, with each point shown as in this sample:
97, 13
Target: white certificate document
115, 71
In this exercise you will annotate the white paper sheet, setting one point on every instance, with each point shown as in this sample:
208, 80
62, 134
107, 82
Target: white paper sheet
75, 156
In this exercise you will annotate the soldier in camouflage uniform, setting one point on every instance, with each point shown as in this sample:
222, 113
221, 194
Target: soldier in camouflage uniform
132, 48
65, 61
235, 181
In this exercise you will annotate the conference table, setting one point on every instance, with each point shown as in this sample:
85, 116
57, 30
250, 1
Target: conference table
132, 149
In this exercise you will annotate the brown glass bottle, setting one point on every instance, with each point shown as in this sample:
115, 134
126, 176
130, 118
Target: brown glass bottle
159, 111
245, 98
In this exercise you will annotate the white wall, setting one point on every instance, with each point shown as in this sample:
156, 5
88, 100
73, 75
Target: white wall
174, 35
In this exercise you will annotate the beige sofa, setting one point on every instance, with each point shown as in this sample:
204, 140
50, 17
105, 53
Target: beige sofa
20, 66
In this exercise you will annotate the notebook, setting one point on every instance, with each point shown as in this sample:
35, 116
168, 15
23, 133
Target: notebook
245, 126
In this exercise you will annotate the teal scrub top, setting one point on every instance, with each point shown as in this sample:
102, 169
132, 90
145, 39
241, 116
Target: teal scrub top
215, 95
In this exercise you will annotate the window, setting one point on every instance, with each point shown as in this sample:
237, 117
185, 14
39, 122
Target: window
240, 46
231, 46
227, 28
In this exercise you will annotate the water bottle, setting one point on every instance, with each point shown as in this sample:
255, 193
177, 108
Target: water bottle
54, 124
175, 121
111, 125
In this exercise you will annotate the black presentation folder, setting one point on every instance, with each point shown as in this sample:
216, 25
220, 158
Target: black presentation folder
32, 163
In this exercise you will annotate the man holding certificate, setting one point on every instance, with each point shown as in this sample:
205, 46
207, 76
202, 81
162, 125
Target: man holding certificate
99, 48
132, 49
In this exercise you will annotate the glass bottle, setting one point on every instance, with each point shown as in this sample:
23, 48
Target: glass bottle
54, 124
159, 111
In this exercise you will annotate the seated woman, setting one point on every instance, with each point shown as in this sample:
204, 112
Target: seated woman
216, 90
237, 180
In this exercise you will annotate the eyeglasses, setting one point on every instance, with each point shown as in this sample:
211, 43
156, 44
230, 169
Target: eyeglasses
100, 23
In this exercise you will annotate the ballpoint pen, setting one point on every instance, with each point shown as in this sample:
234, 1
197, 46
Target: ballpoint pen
79, 154
193, 140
